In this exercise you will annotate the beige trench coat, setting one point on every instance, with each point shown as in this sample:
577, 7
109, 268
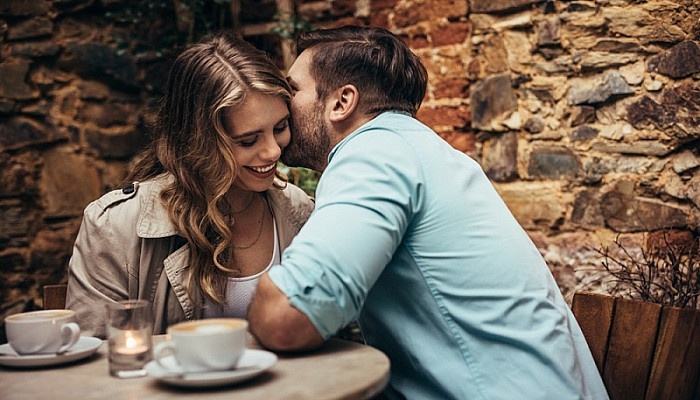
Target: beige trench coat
127, 248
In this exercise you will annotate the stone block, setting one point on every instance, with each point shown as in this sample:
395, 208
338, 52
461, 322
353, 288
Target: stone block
617, 45
598, 91
18, 174
693, 192
35, 49
71, 6
14, 219
407, 14
625, 212
457, 117
416, 41
685, 161
12, 261
587, 212
13, 75
597, 60
638, 23
676, 112
633, 74
489, 6
641, 147
382, 4
584, 132
548, 32
679, 61
494, 55
499, 157
582, 115
490, 99
534, 124
51, 249
108, 114
500, 22
453, 33
7, 106
24, 8
69, 182
101, 63
115, 145
21, 132
553, 163
91, 90
29, 29
535, 205
452, 88
341, 8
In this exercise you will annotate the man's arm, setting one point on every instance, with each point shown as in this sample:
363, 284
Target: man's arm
276, 324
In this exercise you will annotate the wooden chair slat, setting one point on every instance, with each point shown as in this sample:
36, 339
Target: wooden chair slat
630, 349
55, 297
594, 315
674, 373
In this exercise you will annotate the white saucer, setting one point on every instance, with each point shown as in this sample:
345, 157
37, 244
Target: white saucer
85, 347
251, 364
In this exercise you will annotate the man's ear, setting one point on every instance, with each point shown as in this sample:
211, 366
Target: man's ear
344, 103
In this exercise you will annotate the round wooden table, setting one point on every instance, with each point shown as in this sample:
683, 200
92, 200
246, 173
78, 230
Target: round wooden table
338, 370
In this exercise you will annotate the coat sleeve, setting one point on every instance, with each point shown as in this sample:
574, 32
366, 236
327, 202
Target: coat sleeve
99, 268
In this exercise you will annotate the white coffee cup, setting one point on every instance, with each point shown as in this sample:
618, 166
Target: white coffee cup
213, 344
42, 332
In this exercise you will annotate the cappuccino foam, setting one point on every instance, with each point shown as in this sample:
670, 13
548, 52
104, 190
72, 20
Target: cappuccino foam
40, 315
209, 326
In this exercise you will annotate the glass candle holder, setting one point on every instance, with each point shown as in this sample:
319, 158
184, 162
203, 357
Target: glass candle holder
129, 335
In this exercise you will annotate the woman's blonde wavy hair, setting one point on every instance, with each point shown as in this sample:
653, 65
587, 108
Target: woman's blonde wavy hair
190, 143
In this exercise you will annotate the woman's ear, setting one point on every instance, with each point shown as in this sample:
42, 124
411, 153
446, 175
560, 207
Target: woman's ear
344, 103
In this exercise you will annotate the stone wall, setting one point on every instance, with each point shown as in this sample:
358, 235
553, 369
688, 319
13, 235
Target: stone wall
585, 114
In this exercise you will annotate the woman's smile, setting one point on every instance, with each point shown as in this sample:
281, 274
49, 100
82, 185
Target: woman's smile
263, 172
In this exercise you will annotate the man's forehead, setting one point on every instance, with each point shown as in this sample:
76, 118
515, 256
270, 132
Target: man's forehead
300, 67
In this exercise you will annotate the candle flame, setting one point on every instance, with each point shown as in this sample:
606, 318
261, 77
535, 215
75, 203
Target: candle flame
130, 340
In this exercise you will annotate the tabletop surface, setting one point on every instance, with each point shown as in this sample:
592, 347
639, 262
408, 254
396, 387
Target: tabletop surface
338, 370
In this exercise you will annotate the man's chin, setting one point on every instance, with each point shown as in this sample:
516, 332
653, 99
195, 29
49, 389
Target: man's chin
292, 160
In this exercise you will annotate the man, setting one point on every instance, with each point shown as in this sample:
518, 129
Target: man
410, 238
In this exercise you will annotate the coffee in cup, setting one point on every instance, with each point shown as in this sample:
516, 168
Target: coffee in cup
213, 344
42, 332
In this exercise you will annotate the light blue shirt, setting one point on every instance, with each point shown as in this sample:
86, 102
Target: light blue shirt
410, 238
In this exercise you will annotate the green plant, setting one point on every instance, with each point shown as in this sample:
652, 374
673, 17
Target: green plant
306, 179
288, 25
665, 273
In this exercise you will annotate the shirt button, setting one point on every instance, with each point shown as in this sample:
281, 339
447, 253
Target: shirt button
128, 189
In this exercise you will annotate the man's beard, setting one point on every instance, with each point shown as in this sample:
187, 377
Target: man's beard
310, 143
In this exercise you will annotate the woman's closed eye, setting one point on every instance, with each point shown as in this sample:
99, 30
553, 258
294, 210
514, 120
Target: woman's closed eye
282, 126
248, 142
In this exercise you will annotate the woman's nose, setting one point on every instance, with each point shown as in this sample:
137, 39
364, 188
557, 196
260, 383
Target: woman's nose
271, 149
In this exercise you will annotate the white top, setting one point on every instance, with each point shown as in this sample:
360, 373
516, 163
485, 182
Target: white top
240, 291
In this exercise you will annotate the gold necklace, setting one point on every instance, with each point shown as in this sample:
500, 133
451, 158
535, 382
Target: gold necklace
262, 222
247, 206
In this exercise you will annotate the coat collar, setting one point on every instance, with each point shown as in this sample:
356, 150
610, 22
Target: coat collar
154, 221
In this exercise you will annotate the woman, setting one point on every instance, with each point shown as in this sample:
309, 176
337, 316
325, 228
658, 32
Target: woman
208, 211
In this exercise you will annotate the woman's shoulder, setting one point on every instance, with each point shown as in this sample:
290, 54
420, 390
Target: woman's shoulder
292, 202
126, 205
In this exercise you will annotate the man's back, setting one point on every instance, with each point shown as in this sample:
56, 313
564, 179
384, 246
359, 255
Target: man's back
454, 291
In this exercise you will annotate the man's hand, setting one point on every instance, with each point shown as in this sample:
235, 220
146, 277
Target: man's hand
276, 324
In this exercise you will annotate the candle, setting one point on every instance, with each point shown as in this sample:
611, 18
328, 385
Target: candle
133, 344
129, 329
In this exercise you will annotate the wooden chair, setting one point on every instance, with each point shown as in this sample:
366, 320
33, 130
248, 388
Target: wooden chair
643, 351
55, 296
